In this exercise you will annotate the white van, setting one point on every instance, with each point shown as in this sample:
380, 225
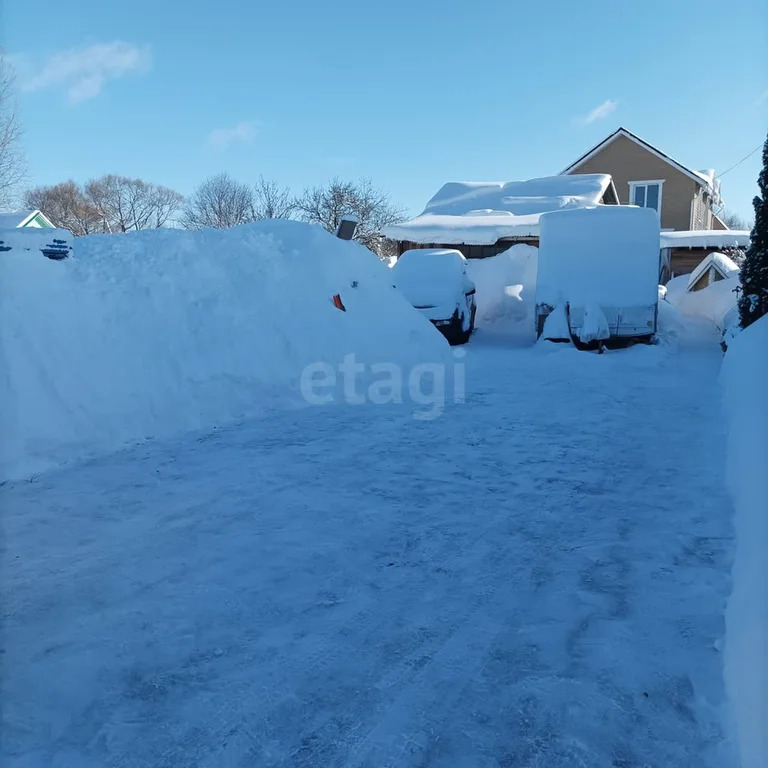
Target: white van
598, 267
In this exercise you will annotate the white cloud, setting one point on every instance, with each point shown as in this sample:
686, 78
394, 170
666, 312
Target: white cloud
83, 72
221, 138
599, 112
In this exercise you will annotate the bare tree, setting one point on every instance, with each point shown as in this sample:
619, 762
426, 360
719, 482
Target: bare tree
733, 220
125, 204
271, 201
66, 206
12, 166
166, 203
109, 204
373, 209
219, 202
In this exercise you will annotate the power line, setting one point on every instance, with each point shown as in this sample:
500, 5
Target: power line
746, 157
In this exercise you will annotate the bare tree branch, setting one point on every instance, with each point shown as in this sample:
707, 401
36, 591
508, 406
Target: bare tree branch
12, 165
372, 207
271, 201
109, 204
219, 202
66, 206
125, 204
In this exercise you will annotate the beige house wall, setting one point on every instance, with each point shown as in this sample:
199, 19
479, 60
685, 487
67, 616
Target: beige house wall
627, 161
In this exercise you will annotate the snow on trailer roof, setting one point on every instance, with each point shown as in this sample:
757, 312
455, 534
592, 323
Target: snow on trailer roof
706, 238
607, 255
481, 213
725, 266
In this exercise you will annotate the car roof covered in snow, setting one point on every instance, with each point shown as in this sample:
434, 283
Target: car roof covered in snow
722, 263
480, 213
706, 238
428, 276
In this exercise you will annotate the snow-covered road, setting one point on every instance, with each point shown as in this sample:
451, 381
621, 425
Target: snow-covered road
537, 578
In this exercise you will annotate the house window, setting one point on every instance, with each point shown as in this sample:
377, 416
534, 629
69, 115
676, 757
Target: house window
646, 194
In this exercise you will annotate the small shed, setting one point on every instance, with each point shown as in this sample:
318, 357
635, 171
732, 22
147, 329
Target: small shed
483, 219
28, 218
683, 251
715, 267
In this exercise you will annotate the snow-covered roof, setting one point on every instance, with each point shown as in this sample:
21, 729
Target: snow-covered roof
481, 213
15, 219
706, 178
706, 238
720, 262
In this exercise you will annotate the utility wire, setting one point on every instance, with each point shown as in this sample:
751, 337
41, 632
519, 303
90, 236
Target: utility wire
746, 157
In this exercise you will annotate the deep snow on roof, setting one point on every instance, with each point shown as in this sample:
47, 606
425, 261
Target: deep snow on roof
480, 213
13, 219
706, 238
726, 266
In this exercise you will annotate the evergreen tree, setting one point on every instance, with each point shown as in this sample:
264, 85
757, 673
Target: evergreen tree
753, 301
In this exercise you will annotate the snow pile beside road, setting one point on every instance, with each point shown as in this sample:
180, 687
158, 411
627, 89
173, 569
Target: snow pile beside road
745, 373
152, 333
716, 302
505, 285
35, 242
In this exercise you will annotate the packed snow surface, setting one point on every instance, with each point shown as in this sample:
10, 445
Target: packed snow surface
537, 578
484, 212
745, 372
706, 238
607, 256
152, 333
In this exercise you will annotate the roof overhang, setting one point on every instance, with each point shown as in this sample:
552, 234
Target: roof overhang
623, 132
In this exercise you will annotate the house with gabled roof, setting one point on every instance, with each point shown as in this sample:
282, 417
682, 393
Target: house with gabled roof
28, 218
648, 177
482, 219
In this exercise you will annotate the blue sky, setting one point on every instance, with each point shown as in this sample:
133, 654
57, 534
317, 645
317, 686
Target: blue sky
410, 94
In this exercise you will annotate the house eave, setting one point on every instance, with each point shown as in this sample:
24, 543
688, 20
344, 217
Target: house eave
619, 132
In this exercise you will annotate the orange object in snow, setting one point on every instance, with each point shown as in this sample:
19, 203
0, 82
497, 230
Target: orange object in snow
338, 303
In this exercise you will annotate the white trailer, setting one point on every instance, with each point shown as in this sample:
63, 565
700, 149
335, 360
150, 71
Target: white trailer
599, 267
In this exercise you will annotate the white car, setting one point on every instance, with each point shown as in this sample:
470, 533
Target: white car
435, 281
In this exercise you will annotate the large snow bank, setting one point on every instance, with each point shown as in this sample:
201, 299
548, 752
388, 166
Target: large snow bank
607, 255
151, 333
36, 242
478, 213
716, 302
745, 373
505, 286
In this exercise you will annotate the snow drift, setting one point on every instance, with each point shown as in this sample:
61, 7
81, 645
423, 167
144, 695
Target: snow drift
35, 241
505, 285
151, 333
716, 303
745, 372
